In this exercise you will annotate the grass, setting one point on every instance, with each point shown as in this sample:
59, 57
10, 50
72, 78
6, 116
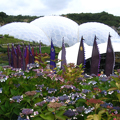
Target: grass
10, 39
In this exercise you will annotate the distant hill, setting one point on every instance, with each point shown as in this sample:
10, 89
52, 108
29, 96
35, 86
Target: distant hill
103, 17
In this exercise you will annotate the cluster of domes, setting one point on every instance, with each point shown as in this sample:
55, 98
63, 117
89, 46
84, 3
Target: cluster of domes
56, 27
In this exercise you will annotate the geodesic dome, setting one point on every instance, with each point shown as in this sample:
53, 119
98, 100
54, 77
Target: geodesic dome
25, 31
57, 27
90, 29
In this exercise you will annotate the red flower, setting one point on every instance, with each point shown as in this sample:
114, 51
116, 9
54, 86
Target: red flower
94, 101
96, 89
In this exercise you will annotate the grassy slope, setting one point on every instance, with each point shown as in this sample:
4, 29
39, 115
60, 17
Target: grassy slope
10, 39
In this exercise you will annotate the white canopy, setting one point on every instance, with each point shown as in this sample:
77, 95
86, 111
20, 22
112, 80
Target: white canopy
72, 52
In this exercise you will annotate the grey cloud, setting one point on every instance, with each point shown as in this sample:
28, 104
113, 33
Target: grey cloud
56, 4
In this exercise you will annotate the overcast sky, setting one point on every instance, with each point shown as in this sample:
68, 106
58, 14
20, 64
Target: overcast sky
58, 7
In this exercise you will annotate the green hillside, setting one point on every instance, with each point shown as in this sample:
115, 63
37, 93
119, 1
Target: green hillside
103, 17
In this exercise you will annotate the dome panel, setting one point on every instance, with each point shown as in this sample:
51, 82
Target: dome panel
90, 29
58, 25
25, 31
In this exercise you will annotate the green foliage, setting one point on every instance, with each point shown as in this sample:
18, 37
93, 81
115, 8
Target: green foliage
28, 84
72, 72
102, 17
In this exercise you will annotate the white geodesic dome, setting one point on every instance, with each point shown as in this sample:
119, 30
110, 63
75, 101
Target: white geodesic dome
90, 29
25, 31
57, 27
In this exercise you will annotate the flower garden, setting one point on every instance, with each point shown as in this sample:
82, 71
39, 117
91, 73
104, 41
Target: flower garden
42, 94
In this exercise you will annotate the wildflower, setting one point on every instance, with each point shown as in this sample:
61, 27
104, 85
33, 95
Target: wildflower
92, 82
118, 70
103, 79
94, 101
107, 105
16, 98
89, 110
69, 113
40, 103
104, 92
80, 79
54, 105
0, 90
63, 98
16, 85
85, 91
27, 111
111, 92
30, 93
117, 115
93, 75
36, 113
96, 89
116, 108
80, 109
52, 90
21, 118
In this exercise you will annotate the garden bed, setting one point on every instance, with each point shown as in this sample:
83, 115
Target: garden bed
39, 94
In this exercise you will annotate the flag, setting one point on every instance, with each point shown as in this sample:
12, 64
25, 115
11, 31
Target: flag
11, 58
110, 58
81, 54
95, 59
40, 53
52, 56
63, 56
36, 53
19, 53
8, 50
26, 55
14, 56
30, 55
40, 47
23, 59
33, 54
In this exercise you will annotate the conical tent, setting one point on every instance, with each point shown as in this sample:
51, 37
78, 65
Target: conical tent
81, 53
95, 59
110, 58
